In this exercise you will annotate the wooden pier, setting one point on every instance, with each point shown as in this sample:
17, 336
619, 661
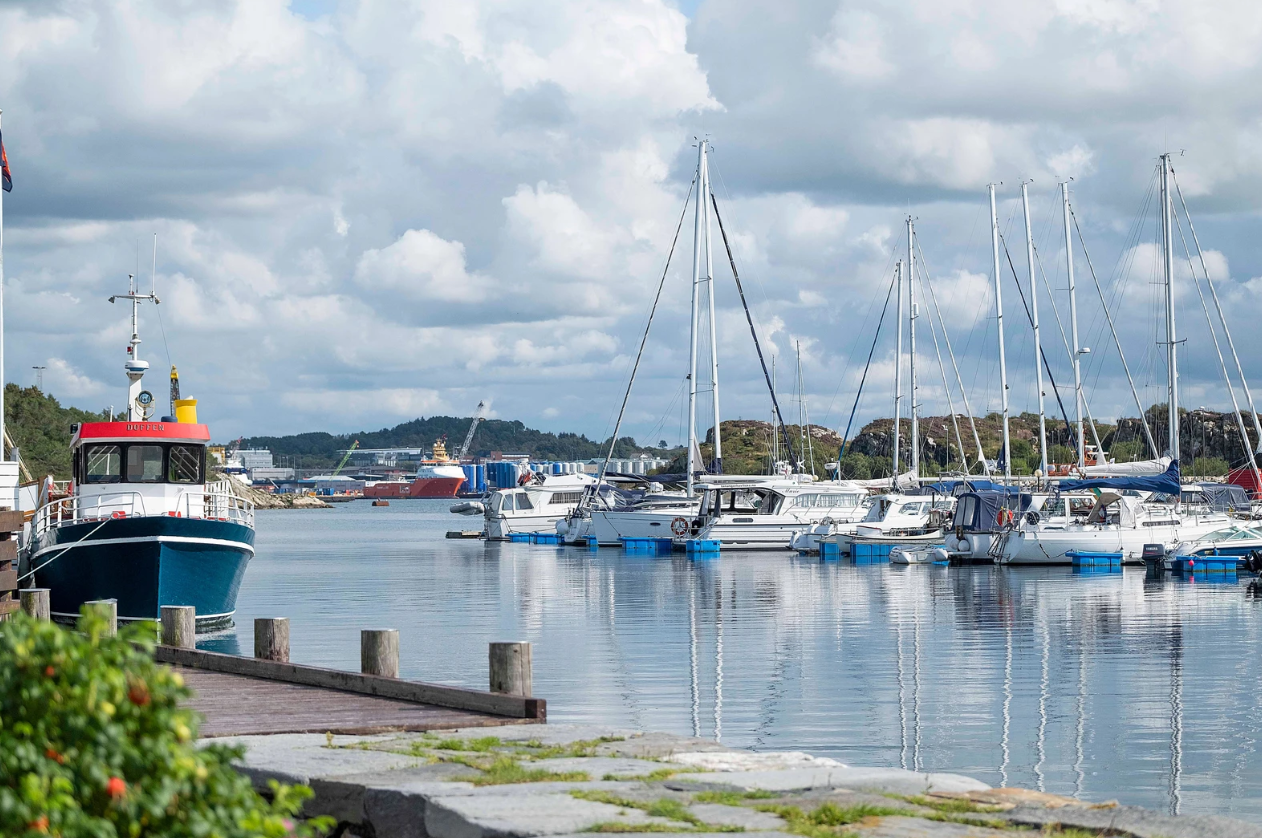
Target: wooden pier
266, 694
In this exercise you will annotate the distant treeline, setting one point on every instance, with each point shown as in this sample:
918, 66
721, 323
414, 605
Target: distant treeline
319, 449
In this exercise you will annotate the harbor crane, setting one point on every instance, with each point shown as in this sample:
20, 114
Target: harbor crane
478, 416
345, 457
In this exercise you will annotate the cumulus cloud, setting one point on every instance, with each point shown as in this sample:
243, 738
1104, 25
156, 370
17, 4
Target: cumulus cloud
395, 209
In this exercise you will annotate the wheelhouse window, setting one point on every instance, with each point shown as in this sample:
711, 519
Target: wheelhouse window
184, 464
144, 463
104, 464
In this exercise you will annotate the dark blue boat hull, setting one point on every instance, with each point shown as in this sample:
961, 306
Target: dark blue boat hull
145, 563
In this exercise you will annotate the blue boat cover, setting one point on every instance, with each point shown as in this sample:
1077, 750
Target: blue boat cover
958, 487
983, 514
1168, 483
1224, 497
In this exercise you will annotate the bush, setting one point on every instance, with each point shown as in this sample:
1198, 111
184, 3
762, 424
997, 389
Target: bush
1209, 467
93, 742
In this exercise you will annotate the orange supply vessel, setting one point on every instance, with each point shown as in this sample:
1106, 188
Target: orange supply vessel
440, 477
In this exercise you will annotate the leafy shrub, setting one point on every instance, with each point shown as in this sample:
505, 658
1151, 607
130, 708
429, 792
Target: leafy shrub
94, 743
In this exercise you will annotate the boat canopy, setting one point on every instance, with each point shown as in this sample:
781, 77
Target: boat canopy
979, 511
1168, 482
1139, 468
1224, 497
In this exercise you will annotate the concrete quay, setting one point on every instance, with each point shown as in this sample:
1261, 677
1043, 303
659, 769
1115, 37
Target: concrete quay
567, 780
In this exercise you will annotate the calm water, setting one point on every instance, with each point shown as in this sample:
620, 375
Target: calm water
1102, 686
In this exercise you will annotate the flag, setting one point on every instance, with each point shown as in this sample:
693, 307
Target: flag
6, 179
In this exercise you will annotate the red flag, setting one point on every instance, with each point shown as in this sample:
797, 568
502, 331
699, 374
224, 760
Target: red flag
6, 179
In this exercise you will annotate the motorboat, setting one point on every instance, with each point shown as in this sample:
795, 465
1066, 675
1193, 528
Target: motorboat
1238, 540
896, 519
535, 505
766, 512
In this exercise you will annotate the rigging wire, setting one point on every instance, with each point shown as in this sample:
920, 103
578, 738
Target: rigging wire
797, 463
591, 492
845, 439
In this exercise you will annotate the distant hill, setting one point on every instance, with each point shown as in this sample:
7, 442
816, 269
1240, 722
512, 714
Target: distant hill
320, 449
40, 428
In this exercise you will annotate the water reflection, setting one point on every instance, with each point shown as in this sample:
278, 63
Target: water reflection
1101, 685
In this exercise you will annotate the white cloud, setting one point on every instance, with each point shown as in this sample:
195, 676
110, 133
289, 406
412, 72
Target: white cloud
419, 267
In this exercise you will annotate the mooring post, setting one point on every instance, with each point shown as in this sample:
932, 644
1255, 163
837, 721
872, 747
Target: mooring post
271, 639
379, 652
107, 608
179, 626
35, 603
510, 668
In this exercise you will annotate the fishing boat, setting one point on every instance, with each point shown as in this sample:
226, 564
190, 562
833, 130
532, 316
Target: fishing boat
143, 524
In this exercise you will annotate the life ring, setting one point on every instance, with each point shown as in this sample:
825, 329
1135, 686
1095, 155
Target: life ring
119, 514
1004, 517
679, 527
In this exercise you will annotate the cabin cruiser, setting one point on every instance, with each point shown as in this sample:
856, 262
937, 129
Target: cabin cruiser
899, 519
536, 505
981, 515
143, 523
660, 515
766, 512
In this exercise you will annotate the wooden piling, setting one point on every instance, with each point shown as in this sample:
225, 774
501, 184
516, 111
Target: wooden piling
35, 603
107, 608
179, 626
10, 523
510, 668
271, 638
379, 652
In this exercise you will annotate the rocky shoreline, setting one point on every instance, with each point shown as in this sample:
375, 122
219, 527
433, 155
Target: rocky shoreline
568, 780
270, 500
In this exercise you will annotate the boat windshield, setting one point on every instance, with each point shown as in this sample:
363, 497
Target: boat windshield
150, 462
1234, 534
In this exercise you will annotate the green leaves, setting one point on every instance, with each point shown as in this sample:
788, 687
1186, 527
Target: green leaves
94, 742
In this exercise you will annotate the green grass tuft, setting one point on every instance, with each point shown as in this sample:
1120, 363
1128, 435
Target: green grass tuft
477, 746
733, 798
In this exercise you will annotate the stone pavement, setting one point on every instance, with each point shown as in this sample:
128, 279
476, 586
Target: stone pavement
568, 781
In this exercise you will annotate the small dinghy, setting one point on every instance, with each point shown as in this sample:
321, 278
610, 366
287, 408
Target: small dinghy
469, 507
912, 555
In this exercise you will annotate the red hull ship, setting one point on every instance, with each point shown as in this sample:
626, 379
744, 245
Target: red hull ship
436, 478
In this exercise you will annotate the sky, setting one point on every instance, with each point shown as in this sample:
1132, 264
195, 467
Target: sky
370, 211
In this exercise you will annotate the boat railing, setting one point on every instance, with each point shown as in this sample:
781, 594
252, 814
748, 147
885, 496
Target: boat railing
216, 501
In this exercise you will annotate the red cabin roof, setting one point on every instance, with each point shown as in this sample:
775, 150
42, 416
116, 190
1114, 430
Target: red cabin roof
127, 431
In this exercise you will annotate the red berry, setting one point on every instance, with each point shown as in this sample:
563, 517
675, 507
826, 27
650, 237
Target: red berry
116, 787
54, 756
49, 671
138, 693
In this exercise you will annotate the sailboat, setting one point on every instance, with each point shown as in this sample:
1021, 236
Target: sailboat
144, 524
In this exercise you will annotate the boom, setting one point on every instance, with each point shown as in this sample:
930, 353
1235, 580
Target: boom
345, 457
478, 415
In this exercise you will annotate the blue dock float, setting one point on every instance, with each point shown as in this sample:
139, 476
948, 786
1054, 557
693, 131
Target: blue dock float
1206, 564
829, 550
519, 537
702, 548
544, 538
648, 546
1086, 558
592, 543
861, 553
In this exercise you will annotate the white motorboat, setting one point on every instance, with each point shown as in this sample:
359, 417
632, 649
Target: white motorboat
534, 506
895, 519
766, 512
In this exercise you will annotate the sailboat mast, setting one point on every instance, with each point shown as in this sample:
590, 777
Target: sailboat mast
1003, 362
692, 330
709, 273
1073, 328
898, 363
1172, 368
1034, 311
911, 324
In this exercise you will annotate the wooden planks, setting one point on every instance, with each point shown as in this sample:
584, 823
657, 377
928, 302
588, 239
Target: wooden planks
455, 698
239, 705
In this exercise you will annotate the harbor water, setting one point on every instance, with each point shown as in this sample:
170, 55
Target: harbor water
1100, 685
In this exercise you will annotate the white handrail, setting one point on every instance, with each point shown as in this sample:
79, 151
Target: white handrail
214, 501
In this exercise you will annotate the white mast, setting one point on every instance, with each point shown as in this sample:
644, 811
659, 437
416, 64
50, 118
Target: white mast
898, 364
1003, 363
1034, 310
911, 323
692, 330
1253, 411
1073, 329
1172, 363
709, 272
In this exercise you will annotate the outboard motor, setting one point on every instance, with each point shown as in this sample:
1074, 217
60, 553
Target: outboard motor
1154, 561
1253, 561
